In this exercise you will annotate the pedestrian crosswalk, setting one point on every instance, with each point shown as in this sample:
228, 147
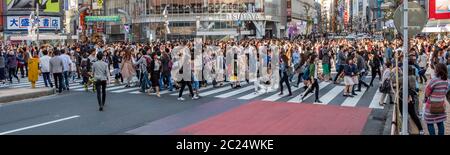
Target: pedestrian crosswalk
330, 94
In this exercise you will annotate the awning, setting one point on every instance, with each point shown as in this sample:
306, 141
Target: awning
437, 26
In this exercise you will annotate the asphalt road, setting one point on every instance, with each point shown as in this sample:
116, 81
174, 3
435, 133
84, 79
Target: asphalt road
76, 113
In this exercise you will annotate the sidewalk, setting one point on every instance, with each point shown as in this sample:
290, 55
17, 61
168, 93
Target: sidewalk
10, 95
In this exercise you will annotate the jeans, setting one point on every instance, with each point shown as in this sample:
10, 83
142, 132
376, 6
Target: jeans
100, 85
66, 80
58, 81
422, 77
285, 79
145, 82
340, 69
47, 79
166, 78
441, 129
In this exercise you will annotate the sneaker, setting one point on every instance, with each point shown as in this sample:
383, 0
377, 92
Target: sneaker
180, 99
318, 101
195, 98
421, 132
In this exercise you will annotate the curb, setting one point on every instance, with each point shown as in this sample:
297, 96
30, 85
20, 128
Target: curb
389, 120
18, 97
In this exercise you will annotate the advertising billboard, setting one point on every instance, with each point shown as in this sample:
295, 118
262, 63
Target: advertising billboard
28, 5
439, 9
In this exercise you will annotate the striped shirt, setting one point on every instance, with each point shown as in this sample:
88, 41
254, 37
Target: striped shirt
436, 92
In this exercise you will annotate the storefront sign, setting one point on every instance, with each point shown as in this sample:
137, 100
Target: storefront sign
244, 16
23, 22
102, 19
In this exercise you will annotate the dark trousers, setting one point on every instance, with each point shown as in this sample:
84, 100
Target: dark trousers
183, 85
22, 72
285, 79
47, 79
66, 80
361, 82
12, 72
375, 71
340, 69
314, 87
412, 113
422, 77
300, 78
100, 85
78, 71
58, 81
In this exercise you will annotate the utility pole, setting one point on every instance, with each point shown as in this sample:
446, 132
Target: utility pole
38, 25
405, 69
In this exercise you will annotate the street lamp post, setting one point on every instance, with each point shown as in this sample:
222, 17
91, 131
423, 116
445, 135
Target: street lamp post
239, 27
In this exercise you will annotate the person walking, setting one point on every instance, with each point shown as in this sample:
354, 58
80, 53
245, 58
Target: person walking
386, 86
143, 62
44, 63
375, 65
57, 68
423, 62
127, 69
2, 68
341, 61
156, 68
100, 74
284, 67
166, 69
362, 70
33, 70
67, 62
11, 64
435, 91
312, 81
348, 78
326, 63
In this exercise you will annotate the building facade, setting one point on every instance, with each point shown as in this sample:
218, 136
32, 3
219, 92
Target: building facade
16, 17
209, 19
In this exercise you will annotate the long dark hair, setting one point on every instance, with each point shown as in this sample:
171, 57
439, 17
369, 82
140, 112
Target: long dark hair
441, 71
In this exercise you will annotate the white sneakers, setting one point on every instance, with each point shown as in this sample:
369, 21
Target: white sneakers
194, 98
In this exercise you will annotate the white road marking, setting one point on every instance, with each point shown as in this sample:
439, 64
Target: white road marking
353, 101
241, 90
39, 125
375, 104
327, 98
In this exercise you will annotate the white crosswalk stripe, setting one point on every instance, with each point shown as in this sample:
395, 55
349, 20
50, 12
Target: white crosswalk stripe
352, 101
328, 97
375, 104
276, 96
299, 97
238, 91
328, 91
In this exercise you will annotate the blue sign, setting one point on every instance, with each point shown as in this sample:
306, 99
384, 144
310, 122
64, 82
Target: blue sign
24, 22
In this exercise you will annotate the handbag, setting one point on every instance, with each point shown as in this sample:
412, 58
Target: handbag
385, 87
436, 107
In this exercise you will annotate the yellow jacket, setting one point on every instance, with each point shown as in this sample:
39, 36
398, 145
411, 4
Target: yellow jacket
33, 69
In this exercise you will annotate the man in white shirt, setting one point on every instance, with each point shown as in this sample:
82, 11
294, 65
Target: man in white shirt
67, 63
44, 63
